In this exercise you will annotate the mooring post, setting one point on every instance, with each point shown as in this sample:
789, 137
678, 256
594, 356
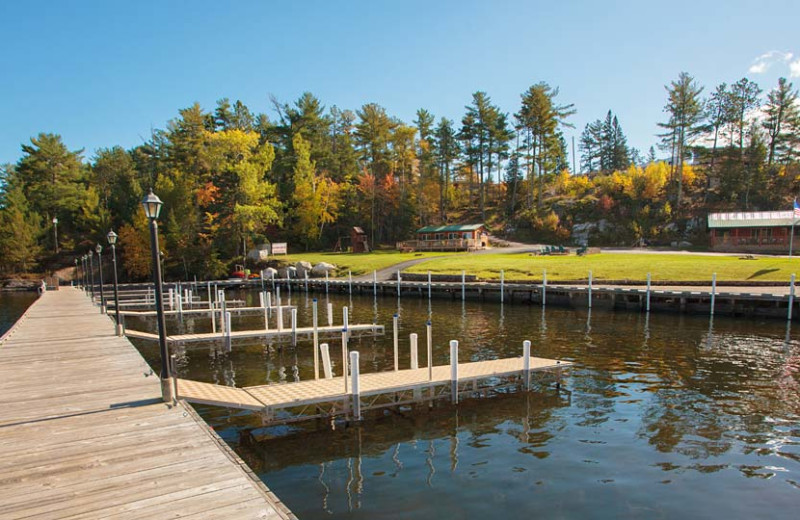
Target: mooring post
398, 283
590, 289
355, 389
280, 317
212, 309
502, 285
326, 282
326, 361
713, 291
463, 285
316, 337
454, 370
208, 291
330, 314
394, 337
412, 341
228, 331
526, 363
179, 297
350, 282
429, 285
375, 283
262, 302
294, 326
791, 298
430, 349
647, 297
171, 299
269, 303
345, 317
544, 287
344, 358
305, 273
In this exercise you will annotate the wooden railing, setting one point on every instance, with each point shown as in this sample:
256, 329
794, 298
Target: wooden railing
458, 244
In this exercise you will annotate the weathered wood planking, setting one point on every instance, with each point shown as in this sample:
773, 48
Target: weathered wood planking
84, 434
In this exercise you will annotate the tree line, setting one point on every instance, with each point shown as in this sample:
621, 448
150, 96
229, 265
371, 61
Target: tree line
231, 178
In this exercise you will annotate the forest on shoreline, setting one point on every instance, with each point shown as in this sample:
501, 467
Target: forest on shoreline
231, 178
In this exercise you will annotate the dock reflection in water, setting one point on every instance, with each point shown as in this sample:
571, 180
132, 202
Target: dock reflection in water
669, 415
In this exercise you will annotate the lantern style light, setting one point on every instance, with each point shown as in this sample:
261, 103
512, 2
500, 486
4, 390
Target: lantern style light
152, 205
112, 238
99, 249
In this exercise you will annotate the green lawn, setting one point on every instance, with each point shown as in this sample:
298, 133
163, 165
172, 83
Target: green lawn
611, 266
359, 263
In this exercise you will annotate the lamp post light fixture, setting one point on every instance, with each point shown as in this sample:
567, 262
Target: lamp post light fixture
99, 250
91, 274
55, 233
112, 241
152, 208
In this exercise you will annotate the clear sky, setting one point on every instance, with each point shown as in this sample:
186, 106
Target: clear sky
104, 73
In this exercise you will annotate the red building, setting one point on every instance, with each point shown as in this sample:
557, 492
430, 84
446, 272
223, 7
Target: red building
752, 231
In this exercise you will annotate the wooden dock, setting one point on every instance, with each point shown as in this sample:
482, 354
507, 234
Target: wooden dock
269, 399
84, 434
269, 334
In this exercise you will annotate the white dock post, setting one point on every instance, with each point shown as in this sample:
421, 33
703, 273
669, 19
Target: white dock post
213, 311
454, 370
375, 283
350, 282
791, 298
305, 272
208, 291
394, 337
590, 289
228, 331
412, 340
345, 317
398, 283
502, 285
171, 298
326, 282
316, 337
463, 285
344, 358
713, 291
526, 363
326, 361
261, 300
179, 297
280, 318
544, 287
294, 326
269, 303
430, 350
278, 296
264, 299
648, 293
355, 389
330, 315
429, 285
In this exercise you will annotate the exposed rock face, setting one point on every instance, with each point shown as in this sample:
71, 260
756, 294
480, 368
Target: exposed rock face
323, 267
581, 233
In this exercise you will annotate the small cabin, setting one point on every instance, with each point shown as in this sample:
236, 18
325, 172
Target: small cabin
455, 237
752, 231
358, 240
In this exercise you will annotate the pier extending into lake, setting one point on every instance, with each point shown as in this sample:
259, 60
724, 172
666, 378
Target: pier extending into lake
84, 432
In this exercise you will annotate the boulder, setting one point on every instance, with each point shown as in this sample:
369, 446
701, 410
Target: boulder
322, 268
303, 267
259, 254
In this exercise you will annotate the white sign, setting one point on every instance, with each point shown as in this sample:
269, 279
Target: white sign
279, 249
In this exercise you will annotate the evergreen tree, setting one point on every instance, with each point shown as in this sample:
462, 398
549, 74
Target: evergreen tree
781, 117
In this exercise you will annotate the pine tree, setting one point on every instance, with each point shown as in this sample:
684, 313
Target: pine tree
781, 115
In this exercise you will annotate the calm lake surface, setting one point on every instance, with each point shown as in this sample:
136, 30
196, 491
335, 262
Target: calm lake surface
12, 306
663, 416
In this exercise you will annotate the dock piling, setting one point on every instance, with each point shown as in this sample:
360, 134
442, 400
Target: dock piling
526, 363
375, 283
345, 317
326, 282
330, 314
350, 282
316, 337
430, 349
463, 285
398, 283
294, 326
412, 341
454, 370
344, 358
355, 389
326, 360
280, 317
228, 331
590, 289
429, 285
791, 298
713, 291
544, 287
647, 297
394, 339
502, 285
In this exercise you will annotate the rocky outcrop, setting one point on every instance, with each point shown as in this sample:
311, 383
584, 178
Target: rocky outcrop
322, 268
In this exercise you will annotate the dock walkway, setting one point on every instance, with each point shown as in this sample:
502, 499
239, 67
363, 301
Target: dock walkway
84, 434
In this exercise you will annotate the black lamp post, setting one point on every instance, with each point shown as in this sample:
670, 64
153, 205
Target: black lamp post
152, 207
55, 232
91, 274
112, 240
99, 250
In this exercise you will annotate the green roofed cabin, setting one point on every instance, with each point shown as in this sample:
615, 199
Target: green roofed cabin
455, 237
752, 231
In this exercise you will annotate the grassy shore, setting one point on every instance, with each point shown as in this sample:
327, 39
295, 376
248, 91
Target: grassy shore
360, 263
614, 266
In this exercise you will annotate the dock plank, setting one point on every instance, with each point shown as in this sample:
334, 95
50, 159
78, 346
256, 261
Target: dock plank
83, 433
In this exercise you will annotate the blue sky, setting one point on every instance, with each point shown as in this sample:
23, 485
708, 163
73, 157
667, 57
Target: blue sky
105, 73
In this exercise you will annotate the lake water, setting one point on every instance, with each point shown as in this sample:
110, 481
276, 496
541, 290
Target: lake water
12, 306
661, 417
